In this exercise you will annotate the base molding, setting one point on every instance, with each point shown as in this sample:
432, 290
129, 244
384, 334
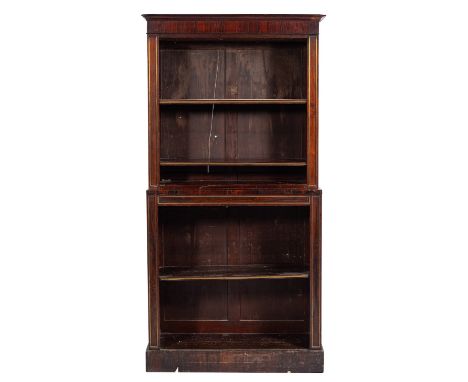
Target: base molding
235, 360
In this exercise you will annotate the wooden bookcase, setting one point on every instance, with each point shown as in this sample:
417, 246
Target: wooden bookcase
234, 208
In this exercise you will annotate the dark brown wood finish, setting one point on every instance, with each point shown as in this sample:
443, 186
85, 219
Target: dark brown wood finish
232, 272
312, 114
234, 341
267, 200
315, 269
153, 270
234, 209
262, 134
153, 111
229, 26
234, 101
232, 360
273, 72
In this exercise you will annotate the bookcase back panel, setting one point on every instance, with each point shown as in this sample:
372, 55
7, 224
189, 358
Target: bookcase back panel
239, 70
236, 174
194, 237
272, 235
273, 300
245, 306
242, 133
202, 236
195, 300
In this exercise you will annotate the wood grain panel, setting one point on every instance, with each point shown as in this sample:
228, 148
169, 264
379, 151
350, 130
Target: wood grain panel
260, 299
233, 360
195, 237
252, 134
190, 72
194, 301
272, 235
266, 71
245, 71
235, 326
185, 134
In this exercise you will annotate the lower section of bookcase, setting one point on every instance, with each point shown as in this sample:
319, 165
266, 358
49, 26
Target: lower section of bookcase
235, 360
235, 284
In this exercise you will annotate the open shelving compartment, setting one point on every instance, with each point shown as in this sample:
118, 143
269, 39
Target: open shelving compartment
233, 111
234, 209
224, 271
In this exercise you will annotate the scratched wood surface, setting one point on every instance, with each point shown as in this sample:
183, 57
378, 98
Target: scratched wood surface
257, 133
245, 70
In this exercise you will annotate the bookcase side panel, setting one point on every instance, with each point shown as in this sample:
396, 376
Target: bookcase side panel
153, 271
312, 112
153, 111
315, 269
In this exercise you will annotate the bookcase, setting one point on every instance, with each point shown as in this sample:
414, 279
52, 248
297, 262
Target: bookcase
233, 204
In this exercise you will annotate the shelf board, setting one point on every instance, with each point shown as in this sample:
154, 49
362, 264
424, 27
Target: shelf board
235, 101
237, 163
234, 341
232, 272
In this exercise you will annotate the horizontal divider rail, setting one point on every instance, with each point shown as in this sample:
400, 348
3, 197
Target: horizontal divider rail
233, 200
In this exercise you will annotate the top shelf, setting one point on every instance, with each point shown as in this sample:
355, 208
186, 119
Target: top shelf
235, 101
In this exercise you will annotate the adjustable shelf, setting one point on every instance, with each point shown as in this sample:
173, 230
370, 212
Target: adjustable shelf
234, 101
233, 206
233, 163
232, 272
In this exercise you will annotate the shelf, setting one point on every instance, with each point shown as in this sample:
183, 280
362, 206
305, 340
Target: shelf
234, 341
235, 101
233, 272
239, 164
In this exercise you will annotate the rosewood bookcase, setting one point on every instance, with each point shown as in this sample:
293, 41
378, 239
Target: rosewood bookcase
233, 205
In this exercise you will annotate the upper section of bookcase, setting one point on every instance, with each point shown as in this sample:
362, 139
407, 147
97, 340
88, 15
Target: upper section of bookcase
179, 26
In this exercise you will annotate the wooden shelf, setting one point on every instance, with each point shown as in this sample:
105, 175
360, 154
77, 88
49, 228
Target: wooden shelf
234, 341
235, 101
239, 164
233, 272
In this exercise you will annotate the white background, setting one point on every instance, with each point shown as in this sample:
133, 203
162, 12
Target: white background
393, 167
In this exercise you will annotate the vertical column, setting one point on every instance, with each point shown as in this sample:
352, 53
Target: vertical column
315, 269
312, 111
153, 111
153, 270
